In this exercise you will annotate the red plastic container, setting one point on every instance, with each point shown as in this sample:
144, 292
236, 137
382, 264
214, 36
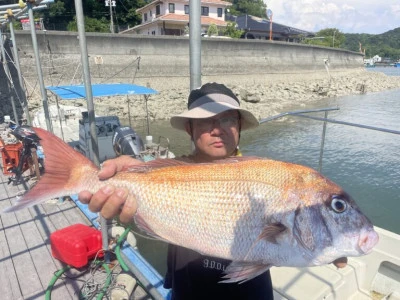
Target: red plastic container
10, 155
75, 245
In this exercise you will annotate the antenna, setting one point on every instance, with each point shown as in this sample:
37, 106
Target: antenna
269, 15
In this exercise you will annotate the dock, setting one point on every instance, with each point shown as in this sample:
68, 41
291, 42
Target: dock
26, 263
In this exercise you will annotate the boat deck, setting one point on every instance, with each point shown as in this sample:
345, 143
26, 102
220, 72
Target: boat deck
26, 263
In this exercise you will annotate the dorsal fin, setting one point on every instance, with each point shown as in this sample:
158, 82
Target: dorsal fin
155, 164
181, 161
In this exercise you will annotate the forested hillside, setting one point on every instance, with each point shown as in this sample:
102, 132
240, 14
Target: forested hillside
386, 45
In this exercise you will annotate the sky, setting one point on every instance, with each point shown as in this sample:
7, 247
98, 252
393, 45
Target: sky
349, 16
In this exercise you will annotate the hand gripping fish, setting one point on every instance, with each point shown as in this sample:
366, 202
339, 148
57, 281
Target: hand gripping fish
256, 212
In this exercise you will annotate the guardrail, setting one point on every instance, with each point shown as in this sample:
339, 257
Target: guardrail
301, 114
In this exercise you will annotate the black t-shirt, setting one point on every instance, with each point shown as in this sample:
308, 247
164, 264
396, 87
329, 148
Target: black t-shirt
194, 276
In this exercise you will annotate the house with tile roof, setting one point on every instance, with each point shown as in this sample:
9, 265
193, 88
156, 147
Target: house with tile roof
171, 17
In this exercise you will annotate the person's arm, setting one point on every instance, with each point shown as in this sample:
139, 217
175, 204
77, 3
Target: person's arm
109, 200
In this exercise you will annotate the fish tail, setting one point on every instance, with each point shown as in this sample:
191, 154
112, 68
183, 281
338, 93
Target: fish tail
66, 172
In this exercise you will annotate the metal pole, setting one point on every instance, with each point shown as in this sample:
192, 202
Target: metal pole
129, 111
321, 151
90, 107
270, 28
60, 119
111, 17
295, 112
22, 92
350, 124
9, 79
195, 43
39, 68
146, 97
87, 80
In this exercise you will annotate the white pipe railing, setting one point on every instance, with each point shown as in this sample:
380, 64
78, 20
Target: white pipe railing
21, 12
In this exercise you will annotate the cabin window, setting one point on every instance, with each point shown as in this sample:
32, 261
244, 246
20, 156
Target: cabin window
145, 17
150, 13
157, 10
219, 12
204, 10
186, 9
171, 8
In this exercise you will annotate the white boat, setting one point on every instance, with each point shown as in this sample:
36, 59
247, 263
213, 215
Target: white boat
71, 123
373, 276
64, 121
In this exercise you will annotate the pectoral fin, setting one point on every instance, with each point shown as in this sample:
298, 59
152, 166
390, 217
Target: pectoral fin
243, 271
272, 231
269, 233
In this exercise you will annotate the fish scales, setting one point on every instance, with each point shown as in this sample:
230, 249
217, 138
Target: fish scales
194, 208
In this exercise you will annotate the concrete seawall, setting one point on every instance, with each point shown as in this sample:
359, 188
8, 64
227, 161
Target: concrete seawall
268, 77
168, 56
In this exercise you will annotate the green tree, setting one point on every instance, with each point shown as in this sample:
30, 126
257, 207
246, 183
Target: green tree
255, 8
329, 37
232, 31
58, 15
91, 25
61, 12
334, 37
212, 30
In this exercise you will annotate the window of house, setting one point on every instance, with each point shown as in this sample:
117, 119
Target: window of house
145, 17
171, 8
151, 14
186, 9
204, 10
157, 10
219, 11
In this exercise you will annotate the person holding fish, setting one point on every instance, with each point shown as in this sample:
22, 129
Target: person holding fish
239, 215
214, 121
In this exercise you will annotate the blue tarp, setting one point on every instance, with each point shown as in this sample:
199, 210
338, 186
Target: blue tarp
100, 90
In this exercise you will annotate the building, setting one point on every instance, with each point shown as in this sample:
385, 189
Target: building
257, 28
172, 17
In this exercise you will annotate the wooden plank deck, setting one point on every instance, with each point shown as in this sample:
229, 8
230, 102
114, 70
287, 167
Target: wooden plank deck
26, 263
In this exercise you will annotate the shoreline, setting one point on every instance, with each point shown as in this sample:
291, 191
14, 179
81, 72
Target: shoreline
264, 95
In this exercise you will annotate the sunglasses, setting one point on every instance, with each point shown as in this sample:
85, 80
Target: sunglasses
224, 123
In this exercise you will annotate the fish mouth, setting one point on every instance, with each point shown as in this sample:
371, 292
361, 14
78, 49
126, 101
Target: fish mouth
367, 240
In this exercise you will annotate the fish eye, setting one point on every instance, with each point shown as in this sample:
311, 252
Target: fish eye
338, 205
